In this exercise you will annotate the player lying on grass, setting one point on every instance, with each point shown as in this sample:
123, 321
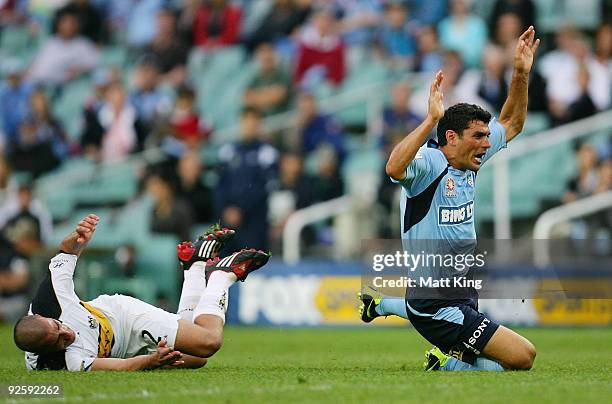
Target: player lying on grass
437, 209
123, 333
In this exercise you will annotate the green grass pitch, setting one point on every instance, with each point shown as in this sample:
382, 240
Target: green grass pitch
341, 365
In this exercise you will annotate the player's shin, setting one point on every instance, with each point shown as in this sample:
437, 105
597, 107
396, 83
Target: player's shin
389, 306
194, 284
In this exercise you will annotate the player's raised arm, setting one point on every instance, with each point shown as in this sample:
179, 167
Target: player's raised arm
514, 110
403, 153
76, 241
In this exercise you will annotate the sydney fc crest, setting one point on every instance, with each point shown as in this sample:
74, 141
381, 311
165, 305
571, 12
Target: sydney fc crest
450, 188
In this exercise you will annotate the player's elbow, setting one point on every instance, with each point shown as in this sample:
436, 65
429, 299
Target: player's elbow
394, 171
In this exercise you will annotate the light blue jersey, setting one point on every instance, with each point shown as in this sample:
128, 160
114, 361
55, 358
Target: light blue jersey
437, 200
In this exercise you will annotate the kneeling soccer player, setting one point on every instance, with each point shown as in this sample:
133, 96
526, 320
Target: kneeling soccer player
437, 207
123, 333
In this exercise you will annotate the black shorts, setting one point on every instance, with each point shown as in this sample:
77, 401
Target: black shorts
458, 329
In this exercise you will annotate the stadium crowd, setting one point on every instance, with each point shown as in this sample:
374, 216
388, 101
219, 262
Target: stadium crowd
151, 100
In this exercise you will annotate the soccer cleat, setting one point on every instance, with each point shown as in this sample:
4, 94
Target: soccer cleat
434, 359
206, 247
241, 263
367, 308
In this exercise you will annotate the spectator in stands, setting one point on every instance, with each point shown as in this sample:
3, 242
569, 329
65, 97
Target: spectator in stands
15, 95
506, 31
185, 122
605, 177
171, 214
427, 12
281, 20
593, 177
493, 86
31, 155
192, 188
577, 85
328, 183
524, 9
398, 118
7, 181
138, 18
270, 90
186, 19
314, 128
11, 13
25, 222
246, 174
168, 49
14, 277
65, 55
358, 20
603, 47
429, 52
586, 180
459, 85
397, 37
293, 192
42, 143
217, 24
48, 128
464, 32
91, 20
321, 52
116, 131
147, 96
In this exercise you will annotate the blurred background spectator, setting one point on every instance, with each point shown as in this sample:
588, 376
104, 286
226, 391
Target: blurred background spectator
270, 89
314, 129
116, 130
248, 169
464, 32
321, 51
282, 18
64, 56
217, 24
14, 282
171, 214
25, 222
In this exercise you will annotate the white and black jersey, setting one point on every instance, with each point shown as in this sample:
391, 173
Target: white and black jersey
107, 327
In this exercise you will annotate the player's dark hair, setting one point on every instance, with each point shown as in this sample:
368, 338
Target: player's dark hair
458, 118
28, 334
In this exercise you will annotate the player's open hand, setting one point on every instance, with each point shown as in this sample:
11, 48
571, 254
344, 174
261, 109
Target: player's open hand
165, 356
76, 241
86, 228
436, 106
526, 48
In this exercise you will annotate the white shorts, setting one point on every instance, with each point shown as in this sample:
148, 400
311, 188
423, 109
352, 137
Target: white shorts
137, 326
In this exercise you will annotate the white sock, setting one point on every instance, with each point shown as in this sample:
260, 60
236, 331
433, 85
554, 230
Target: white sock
215, 297
194, 285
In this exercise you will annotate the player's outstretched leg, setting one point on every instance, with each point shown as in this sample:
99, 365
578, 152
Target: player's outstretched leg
205, 336
192, 257
373, 305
